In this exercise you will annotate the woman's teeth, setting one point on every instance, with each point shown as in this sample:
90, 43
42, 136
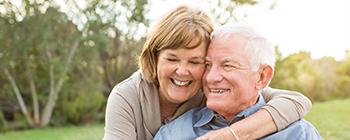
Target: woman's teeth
218, 91
181, 83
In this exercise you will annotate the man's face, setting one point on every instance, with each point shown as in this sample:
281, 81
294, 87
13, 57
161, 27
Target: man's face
228, 82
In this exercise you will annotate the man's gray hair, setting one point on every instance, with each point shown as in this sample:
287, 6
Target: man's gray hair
258, 50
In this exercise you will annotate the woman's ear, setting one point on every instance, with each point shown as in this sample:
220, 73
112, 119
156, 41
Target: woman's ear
265, 75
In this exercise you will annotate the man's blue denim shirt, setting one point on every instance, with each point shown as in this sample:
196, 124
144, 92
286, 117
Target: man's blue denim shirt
198, 121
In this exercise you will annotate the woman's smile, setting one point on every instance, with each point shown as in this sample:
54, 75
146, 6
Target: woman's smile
180, 83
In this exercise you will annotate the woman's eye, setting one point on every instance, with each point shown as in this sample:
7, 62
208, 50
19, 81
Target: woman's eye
172, 60
194, 62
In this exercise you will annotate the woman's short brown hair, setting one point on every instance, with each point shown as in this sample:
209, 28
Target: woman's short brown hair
175, 29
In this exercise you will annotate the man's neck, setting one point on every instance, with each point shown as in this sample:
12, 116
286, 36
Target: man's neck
230, 115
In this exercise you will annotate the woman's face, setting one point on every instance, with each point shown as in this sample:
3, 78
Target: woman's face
180, 73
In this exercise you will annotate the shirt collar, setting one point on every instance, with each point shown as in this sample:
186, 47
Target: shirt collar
209, 114
251, 110
205, 117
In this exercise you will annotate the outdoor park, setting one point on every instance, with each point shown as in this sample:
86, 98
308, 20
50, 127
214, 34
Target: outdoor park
59, 60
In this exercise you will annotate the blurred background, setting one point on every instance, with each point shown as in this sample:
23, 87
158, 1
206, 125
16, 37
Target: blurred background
59, 59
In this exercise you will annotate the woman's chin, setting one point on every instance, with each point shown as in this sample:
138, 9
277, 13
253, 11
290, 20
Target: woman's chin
180, 99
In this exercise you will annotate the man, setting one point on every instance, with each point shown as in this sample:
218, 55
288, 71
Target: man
239, 63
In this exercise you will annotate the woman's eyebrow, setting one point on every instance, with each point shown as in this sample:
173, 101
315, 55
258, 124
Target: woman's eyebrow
174, 55
197, 57
171, 54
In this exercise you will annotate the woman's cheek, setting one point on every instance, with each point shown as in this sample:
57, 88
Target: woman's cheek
199, 72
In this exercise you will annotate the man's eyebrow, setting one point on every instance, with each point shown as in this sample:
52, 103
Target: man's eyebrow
224, 60
227, 60
207, 59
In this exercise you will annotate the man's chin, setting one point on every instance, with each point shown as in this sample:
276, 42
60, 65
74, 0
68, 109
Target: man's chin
213, 105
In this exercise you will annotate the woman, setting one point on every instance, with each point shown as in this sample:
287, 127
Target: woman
169, 82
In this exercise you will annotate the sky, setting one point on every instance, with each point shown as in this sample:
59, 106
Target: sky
321, 27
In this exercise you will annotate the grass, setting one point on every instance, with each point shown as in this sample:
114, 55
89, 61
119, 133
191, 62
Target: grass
94, 132
331, 119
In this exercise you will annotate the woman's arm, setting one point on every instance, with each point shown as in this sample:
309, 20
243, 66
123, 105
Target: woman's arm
119, 120
255, 126
285, 106
282, 109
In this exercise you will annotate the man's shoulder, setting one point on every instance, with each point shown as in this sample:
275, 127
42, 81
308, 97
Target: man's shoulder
299, 130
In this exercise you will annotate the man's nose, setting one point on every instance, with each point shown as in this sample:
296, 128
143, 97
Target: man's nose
213, 75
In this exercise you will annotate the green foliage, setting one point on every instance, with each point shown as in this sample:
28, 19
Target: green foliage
224, 10
36, 39
79, 108
343, 81
139, 11
80, 101
321, 79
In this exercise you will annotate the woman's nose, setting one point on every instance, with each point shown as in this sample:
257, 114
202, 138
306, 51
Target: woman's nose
182, 70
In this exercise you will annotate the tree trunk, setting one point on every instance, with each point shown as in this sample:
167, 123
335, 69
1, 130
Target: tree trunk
3, 120
19, 96
54, 90
49, 105
35, 102
33, 90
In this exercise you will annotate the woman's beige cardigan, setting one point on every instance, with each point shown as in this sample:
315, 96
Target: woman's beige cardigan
133, 111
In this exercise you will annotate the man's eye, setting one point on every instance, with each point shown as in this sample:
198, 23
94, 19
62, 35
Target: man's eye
229, 67
207, 66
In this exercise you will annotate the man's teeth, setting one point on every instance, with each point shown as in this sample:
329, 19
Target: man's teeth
218, 91
181, 83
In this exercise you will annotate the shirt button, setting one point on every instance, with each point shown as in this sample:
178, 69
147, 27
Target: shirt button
217, 117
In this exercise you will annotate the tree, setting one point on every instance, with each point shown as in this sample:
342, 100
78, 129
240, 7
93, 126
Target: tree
111, 29
52, 41
40, 41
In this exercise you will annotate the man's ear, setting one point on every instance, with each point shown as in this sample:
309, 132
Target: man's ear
265, 75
